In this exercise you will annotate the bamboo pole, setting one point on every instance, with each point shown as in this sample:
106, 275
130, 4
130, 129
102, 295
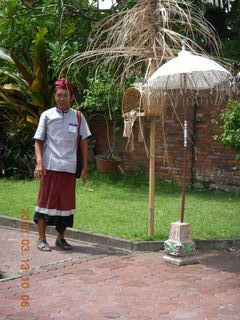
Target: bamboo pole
151, 177
185, 129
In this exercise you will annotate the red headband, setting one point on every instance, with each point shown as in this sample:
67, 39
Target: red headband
64, 84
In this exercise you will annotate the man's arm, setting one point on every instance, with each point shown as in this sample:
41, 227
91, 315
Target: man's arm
39, 168
84, 149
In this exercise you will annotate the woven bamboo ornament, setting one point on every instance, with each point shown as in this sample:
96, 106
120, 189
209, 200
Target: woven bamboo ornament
152, 101
148, 101
132, 100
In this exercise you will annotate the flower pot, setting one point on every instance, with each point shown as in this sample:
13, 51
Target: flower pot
105, 165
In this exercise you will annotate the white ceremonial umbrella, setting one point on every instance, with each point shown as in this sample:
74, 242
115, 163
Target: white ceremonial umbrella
201, 73
188, 72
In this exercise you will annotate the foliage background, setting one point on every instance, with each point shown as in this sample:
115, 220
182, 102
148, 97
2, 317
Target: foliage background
35, 38
231, 127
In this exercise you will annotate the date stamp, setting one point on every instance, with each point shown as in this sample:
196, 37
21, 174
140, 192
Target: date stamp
25, 261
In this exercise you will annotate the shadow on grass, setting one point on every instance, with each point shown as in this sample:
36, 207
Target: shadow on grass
132, 180
135, 180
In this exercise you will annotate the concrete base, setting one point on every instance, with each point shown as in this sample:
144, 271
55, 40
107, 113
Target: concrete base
180, 232
181, 261
180, 242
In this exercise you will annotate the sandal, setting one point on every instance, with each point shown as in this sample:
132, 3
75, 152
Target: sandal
42, 245
62, 243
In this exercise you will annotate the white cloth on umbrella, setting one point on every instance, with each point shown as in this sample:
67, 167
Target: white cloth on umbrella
201, 73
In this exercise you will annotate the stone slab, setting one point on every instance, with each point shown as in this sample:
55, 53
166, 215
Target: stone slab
181, 261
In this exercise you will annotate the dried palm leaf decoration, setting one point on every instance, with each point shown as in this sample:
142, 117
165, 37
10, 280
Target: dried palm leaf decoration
140, 39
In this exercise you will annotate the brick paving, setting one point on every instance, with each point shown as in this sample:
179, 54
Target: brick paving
94, 283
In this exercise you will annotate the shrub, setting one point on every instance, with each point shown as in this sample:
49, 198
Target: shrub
231, 127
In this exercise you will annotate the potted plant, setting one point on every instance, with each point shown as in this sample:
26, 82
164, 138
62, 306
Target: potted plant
103, 100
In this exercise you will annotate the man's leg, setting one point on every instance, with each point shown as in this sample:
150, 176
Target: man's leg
60, 235
60, 241
42, 229
42, 243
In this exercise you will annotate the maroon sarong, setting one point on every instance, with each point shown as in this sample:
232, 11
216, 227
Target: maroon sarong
57, 191
56, 200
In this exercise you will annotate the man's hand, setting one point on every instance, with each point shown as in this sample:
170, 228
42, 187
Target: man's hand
39, 171
84, 148
84, 175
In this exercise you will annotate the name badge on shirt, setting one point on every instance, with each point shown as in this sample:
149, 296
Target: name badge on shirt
72, 128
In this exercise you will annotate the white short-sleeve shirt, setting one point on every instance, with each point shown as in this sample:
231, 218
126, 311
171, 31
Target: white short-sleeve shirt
59, 131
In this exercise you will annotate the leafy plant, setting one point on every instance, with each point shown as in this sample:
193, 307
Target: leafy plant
58, 52
17, 146
103, 98
231, 127
29, 91
103, 94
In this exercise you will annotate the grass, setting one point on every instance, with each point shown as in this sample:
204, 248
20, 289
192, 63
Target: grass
117, 205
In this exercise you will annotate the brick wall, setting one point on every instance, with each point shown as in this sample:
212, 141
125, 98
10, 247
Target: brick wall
209, 164
214, 165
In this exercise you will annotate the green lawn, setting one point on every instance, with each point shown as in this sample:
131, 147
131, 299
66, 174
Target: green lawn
117, 205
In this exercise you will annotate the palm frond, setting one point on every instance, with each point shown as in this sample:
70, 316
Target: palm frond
5, 55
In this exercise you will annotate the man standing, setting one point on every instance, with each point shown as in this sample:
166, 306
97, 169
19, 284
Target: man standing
55, 149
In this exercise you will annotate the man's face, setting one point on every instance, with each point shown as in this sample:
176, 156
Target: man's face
63, 99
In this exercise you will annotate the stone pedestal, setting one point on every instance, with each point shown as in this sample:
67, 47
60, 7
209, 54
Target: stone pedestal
180, 247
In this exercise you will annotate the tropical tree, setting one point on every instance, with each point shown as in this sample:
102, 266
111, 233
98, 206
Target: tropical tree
22, 99
67, 24
35, 37
28, 91
224, 15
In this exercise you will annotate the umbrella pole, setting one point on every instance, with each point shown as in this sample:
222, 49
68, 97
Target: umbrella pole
151, 177
185, 107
